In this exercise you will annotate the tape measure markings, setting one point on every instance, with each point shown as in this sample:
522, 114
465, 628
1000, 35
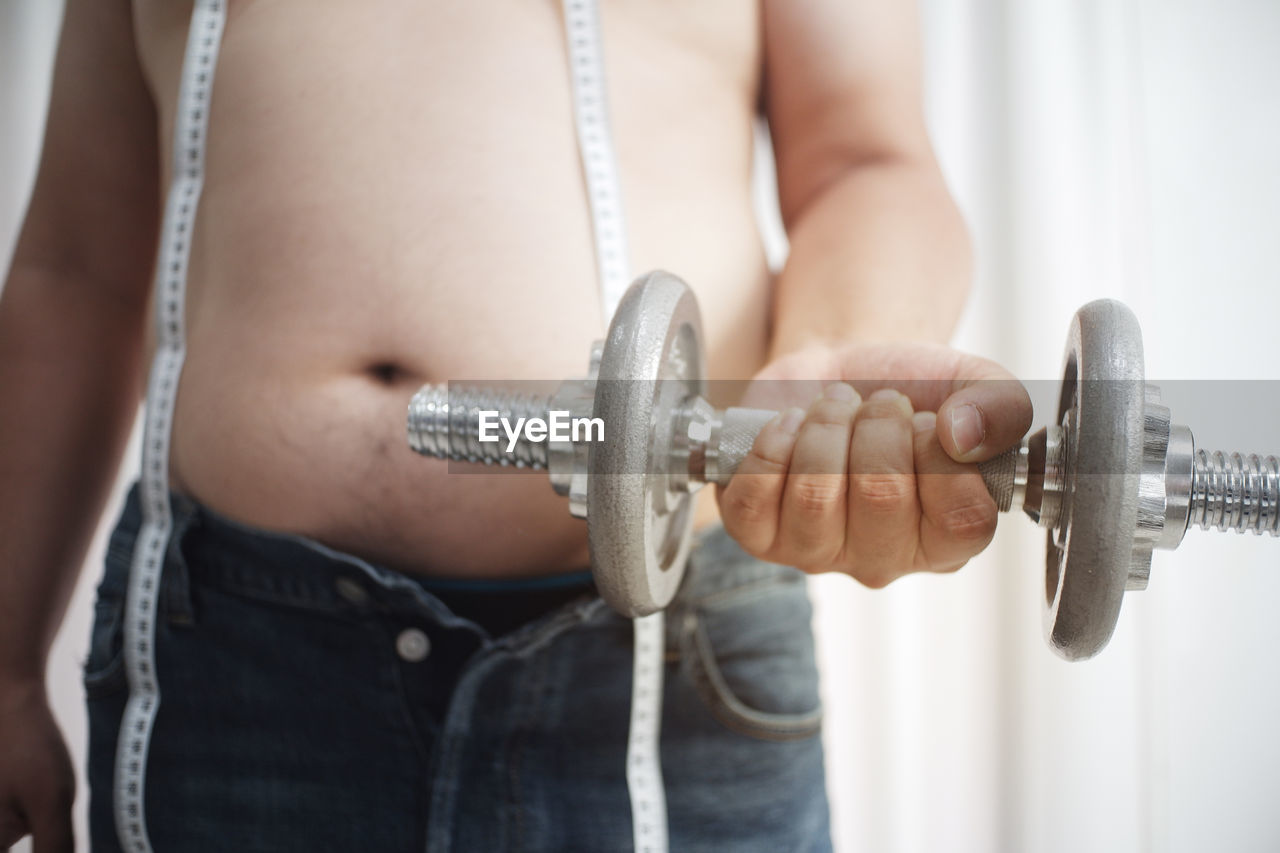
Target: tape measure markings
644, 769
586, 66
208, 20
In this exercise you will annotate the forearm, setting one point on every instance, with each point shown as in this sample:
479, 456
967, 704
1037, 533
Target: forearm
70, 376
880, 254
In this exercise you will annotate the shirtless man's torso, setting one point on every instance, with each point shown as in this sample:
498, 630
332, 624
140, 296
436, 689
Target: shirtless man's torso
394, 196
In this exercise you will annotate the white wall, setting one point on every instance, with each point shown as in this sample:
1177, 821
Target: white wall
1099, 147
1126, 148
1212, 81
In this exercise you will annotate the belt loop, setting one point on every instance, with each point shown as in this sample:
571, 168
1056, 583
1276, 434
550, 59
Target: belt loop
175, 582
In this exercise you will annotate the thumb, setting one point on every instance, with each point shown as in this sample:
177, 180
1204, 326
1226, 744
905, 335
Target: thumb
984, 414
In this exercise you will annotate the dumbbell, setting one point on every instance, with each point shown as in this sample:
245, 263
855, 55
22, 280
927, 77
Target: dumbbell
1110, 481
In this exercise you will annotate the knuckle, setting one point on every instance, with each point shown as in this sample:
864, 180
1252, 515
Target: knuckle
884, 410
744, 507
768, 456
971, 523
884, 493
830, 413
816, 495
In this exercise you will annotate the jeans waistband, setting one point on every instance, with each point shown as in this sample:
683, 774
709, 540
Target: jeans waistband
294, 571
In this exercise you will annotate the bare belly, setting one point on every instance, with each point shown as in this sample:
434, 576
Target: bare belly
394, 196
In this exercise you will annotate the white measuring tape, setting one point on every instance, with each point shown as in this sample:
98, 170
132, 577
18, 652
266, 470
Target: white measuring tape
190, 129
208, 19
595, 143
600, 168
644, 768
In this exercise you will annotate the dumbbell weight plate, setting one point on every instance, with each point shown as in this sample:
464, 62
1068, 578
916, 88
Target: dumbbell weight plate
638, 531
1101, 406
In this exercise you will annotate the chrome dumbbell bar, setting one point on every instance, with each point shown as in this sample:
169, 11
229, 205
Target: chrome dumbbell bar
1111, 481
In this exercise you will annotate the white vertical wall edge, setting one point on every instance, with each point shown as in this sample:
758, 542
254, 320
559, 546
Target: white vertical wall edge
208, 19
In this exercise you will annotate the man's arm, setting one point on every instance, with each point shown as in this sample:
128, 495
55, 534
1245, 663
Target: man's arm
72, 316
878, 249
875, 487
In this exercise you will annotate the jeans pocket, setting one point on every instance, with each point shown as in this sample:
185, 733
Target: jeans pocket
104, 673
749, 652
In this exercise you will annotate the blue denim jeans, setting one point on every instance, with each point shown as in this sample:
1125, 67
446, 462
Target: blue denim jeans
313, 701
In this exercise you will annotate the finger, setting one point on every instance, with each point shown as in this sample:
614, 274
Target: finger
927, 373
812, 530
751, 503
940, 379
987, 412
957, 513
883, 512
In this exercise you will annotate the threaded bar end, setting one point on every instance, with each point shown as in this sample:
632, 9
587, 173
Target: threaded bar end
1233, 491
445, 423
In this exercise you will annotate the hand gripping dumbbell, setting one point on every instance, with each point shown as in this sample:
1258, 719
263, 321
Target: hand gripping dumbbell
1111, 480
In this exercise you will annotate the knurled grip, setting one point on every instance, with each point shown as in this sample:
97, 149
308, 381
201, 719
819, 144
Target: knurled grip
738, 431
998, 473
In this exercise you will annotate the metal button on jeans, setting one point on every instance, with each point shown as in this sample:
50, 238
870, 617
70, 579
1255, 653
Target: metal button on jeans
412, 645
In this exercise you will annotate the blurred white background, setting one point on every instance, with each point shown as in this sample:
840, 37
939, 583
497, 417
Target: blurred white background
1126, 148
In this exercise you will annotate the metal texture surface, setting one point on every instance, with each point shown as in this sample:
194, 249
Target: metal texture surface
1236, 491
731, 441
1112, 480
998, 474
638, 530
444, 423
1100, 405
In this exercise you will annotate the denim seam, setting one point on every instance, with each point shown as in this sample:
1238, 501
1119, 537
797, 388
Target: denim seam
453, 732
388, 580
108, 681
384, 578
534, 694
728, 709
121, 553
109, 678
392, 661
349, 614
538, 634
